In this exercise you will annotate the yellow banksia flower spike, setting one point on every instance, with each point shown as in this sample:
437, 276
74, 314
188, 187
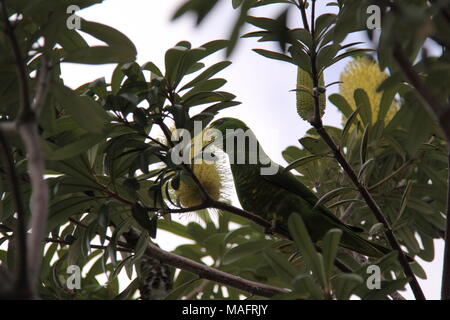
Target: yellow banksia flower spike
209, 175
212, 175
365, 73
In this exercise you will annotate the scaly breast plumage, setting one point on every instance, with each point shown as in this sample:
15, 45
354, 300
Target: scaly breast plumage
256, 194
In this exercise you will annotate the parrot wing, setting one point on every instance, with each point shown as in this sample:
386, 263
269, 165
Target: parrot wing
351, 240
287, 181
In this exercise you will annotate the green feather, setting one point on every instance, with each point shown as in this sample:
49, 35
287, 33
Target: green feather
282, 194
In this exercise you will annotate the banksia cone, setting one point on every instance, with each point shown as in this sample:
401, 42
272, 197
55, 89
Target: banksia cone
211, 174
364, 73
305, 100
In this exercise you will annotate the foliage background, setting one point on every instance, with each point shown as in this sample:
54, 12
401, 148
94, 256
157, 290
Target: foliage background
259, 83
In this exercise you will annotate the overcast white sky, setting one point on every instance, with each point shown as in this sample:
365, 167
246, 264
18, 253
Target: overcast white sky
261, 85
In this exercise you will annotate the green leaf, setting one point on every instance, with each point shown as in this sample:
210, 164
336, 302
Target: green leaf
100, 55
386, 102
117, 78
364, 166
199, 8
300, 58
332, 194
305, 285
421, 122
364, 145
205, 86
61, 208
244, 249
350, 121
363, 104
323, 22
236, 3
315, 146
208, 97
140, 214
302, 161
342, 202
263, 23
107, 34
273, 55
150, 66
129, 291
405, 196
81, 145
208, 73
387, 287
350, 53
281, 265
237, 232
344, 285
303, 241
418, 270
84, 110
213, 46
177, 292
341, 103
173, 59
326, 55
103, 221
330, 246
302, 35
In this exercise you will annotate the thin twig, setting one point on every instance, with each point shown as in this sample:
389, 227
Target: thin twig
393, 174
439, 111
68, 243
302, 7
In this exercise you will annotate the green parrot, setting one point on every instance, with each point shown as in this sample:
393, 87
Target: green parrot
276, 193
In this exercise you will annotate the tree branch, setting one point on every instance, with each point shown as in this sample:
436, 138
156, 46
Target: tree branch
22, 283
318, 125
39, 198
27, 127
441, 113
373, 206
206, 272
199, 269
